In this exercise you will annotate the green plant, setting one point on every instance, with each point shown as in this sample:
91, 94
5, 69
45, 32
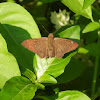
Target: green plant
22, 72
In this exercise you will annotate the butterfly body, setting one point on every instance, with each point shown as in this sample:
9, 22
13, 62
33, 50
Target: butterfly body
50, 47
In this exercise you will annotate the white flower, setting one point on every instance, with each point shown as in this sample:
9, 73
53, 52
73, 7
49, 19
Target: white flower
60, 19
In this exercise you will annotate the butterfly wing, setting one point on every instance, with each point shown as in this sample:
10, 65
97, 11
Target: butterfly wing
63, 46
37, 45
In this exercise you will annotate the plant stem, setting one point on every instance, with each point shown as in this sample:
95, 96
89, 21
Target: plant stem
95, 76
95, 68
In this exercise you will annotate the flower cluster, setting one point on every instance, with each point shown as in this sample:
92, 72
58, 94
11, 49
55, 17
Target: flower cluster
60, 19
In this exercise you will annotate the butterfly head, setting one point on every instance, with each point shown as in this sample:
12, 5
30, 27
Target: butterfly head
50, 35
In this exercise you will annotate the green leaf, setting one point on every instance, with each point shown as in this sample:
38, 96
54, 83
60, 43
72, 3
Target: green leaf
8, 63
28, 73
40, 66
87, 3
11, 1
90, 49
45, 78
76, 6
72, 32
16, 26
72, 95
66, 95
18, 88
53, 66
92, 26
73, 70
40, 86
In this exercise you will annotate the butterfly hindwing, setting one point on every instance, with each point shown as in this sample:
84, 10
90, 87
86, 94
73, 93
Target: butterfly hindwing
50, 47
37, 45
63, 46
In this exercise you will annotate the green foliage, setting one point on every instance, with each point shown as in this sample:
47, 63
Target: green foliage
22, 72
89, 49
88, 3
76, 6
17, 25
8, 63
66, 95
29, 74
11, 1
40, 86
76, 67
71, 33
18, 88
92, 26
72, 95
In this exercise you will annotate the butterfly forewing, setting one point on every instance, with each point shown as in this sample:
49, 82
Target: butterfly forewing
50, 47
63, 46
37, 45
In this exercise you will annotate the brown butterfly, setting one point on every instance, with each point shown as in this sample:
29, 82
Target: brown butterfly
50, 47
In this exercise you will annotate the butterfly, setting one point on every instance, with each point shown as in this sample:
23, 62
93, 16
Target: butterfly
49, 46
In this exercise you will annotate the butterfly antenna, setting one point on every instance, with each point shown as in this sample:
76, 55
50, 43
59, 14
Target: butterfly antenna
57, 30
45, 29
